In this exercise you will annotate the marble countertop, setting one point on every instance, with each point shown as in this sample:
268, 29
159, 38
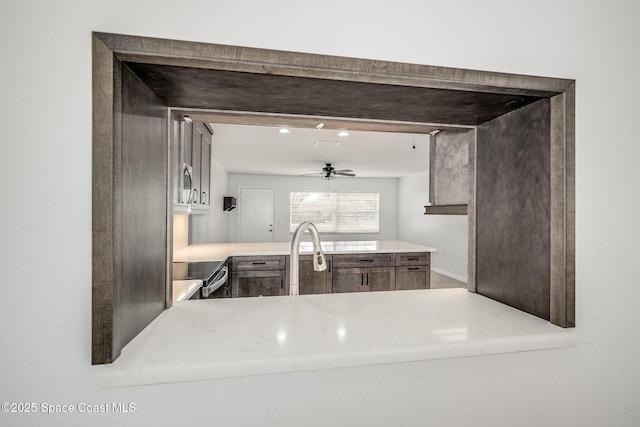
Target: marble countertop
207, 339
221, 251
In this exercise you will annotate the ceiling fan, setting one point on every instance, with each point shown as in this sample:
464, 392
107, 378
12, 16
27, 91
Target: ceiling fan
329, 172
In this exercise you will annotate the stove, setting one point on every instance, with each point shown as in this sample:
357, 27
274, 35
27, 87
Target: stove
213, 274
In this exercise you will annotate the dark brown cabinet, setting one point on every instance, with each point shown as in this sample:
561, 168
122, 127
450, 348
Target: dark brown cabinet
195, 165
205, 171
269, 275
311, 281
363, 279
363, 272
258, 283
253, 276
413, 271
201, 163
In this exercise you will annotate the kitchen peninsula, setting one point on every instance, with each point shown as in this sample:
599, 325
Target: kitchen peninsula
262, 269
208, 339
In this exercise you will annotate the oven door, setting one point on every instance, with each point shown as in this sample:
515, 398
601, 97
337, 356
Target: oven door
216, 281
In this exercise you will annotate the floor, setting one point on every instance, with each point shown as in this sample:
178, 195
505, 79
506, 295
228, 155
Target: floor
440, 281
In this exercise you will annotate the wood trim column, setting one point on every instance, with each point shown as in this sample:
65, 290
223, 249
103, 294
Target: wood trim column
562, 174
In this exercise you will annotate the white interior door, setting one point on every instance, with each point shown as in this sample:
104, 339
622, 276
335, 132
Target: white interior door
255, 207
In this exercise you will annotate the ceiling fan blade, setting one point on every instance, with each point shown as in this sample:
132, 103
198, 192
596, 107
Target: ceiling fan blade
342, 170
311, 174
344, 173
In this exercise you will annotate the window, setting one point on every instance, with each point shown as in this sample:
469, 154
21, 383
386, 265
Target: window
336, 212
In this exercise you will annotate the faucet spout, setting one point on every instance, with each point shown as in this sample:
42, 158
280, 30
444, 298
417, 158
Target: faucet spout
319, 262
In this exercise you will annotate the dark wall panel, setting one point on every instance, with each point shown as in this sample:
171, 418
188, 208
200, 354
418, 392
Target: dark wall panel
140, 293
513, 209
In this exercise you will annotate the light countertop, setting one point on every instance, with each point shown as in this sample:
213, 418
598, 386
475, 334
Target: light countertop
207, 339
221, 251
184, 289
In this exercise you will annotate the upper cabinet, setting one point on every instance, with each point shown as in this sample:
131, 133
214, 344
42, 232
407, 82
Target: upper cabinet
449, 172
191, 148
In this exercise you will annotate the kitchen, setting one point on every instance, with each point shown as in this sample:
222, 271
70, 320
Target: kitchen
503, 117
282, 162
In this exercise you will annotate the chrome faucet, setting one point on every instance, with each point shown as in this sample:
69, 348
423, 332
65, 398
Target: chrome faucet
319, 263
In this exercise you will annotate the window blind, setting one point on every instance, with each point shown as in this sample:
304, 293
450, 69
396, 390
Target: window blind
336, 212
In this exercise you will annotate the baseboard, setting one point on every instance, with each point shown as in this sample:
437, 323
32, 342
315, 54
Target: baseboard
453, 276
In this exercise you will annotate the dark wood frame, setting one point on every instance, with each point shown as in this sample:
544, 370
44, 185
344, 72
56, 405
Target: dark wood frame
109, 49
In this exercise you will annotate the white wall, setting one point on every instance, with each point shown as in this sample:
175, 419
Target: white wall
284, 185
45, 230
447, 233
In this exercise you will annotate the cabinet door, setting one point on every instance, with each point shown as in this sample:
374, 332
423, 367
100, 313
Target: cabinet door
196, 163
205, 173
187, 143
364, 279
379, 279
348, 280
311, 281
256, 283
413, 277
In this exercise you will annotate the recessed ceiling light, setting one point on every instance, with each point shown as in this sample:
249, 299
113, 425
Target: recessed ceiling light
343, 133
284, 130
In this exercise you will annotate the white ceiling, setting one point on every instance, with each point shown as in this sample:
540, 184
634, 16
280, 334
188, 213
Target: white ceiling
264, 150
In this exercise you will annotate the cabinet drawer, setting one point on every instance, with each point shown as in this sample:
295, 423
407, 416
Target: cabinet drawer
364, 260
242, 263
413, 258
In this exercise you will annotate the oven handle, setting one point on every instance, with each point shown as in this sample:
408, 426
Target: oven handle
208, 290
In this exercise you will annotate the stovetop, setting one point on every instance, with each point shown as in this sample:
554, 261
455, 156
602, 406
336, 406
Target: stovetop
194, 270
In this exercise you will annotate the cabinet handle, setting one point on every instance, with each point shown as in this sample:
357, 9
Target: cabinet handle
259, 263
204, 197
364, 260
361, 279
329, 266
281, 283
413, 268
415, 258
195, 195
367, 279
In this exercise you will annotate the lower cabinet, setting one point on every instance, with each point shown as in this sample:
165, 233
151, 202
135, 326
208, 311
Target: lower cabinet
413, 271
254, 276
363, 279
417, 277
311, 281
364, 272
258, 283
